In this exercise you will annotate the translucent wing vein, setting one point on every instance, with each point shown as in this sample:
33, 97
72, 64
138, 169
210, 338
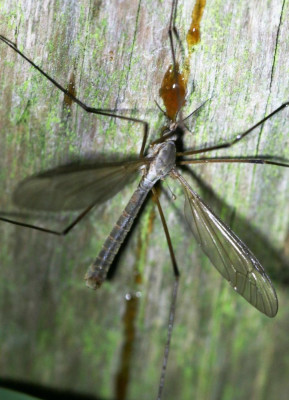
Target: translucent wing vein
229, 254
74, 187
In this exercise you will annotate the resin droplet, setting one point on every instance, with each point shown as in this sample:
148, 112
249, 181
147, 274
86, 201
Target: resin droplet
173, 91
194, 33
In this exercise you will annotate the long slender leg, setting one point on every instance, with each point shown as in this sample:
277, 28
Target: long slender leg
172, 254
174, 297
169, 336
239, 137
235, 160
173, 31
144, 140
196, 110
88, 109
58, 233
172, 24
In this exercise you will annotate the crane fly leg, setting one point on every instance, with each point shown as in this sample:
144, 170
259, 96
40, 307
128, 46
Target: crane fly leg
172, 254
235, 160
237, 139
53, 232
174, 296
98, 111
173, 31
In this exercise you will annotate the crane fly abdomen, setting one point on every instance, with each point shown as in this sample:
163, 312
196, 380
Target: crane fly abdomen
164, 161
97, 272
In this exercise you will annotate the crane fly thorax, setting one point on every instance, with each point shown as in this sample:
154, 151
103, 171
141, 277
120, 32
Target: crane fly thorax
164, 159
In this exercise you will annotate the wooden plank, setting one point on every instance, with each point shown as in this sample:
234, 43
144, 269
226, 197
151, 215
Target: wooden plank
57, 333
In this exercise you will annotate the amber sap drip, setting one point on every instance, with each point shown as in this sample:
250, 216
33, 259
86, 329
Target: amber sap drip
71, 89
174, 85
194, 33
173, 91
123, 375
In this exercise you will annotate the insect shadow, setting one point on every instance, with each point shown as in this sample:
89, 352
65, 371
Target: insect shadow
81, 187
275, 262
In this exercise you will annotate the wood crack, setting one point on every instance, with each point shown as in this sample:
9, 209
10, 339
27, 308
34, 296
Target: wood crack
272, 73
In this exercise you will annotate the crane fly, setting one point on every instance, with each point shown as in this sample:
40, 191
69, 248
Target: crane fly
71, 188
83, 187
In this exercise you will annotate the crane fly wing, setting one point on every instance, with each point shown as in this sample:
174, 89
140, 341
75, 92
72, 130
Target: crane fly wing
74, 187
230, 255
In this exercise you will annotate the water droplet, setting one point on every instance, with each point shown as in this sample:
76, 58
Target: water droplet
128, 296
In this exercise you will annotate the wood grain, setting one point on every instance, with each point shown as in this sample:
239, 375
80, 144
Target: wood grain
54, 331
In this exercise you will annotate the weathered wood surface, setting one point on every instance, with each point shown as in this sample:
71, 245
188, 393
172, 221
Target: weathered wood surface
54, 331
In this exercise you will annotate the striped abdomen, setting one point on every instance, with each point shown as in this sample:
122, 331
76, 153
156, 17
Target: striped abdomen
97, 272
